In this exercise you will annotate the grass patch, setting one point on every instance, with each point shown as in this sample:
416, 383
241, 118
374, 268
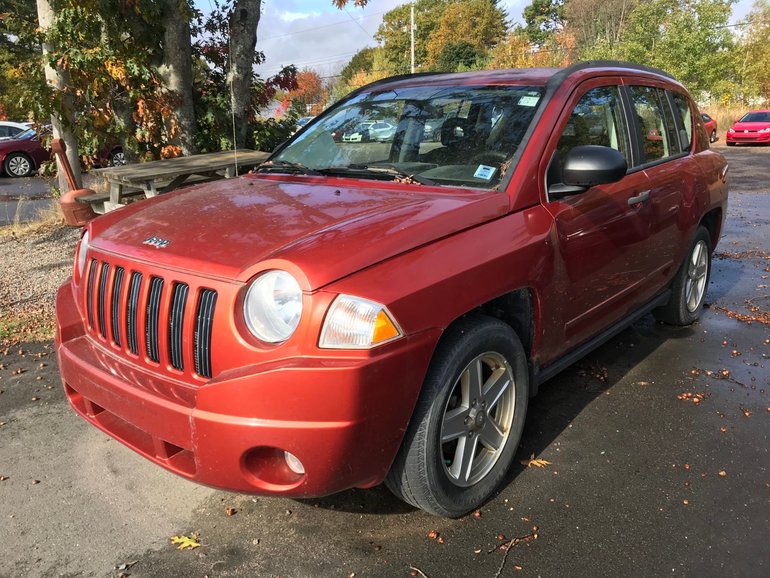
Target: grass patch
30, 326
47, 219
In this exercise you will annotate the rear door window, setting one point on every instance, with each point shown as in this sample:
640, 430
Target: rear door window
657, 129
683, 110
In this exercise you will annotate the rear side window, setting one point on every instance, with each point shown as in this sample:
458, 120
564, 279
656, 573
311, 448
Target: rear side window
597, 119
682, 109
656, 142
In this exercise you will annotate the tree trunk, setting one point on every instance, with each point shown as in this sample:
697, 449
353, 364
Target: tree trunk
243, 41
62, 120
176, 72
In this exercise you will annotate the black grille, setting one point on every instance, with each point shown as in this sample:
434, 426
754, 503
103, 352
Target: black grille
204, 317
117, 291
151, 319
176, 325
119, 300
132, 309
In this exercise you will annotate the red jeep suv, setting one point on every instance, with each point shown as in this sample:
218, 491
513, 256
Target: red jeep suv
353, 313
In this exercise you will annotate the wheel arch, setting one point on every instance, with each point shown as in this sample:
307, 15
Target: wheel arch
712, 221
517, 309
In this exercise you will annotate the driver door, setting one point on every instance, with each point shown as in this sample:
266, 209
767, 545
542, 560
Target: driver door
603, 234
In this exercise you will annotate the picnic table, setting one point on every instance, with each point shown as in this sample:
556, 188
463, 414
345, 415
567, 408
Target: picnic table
156, 177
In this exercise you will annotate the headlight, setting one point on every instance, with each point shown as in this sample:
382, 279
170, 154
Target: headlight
82, 253
764, 130
273, 306
356, 323
731, 129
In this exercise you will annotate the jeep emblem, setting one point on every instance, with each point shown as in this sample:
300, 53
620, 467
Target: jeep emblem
156, 242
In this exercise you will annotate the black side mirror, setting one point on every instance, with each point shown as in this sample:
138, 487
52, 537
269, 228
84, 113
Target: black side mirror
587, 166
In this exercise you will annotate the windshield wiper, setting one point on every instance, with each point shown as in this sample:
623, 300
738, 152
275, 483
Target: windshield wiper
286, 167
364, 170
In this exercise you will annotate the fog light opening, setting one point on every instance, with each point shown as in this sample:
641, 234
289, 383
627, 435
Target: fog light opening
294, 464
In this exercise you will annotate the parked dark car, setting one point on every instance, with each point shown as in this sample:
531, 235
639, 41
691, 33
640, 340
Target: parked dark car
348, 315
22, 155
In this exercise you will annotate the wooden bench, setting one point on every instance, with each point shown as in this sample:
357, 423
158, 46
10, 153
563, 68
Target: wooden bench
156, 177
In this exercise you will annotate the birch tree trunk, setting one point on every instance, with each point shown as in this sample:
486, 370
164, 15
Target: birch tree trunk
61, 121
243, 41
176, 71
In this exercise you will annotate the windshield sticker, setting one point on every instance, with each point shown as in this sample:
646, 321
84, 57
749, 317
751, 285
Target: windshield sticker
484, 172
529, 100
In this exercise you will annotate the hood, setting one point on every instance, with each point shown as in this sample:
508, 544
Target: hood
752, 126
327, 228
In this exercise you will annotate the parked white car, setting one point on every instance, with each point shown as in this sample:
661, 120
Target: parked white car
10, 129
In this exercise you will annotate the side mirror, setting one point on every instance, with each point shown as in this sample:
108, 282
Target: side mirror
587, 166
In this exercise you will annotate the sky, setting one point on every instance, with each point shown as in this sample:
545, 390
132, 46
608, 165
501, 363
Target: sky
314, 34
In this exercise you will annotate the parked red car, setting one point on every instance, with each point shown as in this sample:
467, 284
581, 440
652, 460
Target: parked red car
711, 127
346, 315
22, 155
752, 127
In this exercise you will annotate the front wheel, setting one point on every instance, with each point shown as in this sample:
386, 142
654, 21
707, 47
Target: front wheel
713, 136
468, 420
18, 165
688, 290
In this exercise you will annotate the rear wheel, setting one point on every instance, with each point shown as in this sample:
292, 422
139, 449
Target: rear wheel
688, 291
468, 420
18, 165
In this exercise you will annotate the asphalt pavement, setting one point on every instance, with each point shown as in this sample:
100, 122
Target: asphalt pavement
657, 443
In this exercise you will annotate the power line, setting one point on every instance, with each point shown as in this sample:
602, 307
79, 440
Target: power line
314, 28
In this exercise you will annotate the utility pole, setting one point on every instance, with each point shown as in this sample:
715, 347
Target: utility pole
411, 29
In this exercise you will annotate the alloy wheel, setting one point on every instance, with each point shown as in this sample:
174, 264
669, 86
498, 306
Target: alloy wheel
477, 419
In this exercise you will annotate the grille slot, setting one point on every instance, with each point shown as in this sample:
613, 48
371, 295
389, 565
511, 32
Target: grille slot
204, 318
101, 299
176, 325
90, 293
151, 318
117, 290
132, 310
136, 313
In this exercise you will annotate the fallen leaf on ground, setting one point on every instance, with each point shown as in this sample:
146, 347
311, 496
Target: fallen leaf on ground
536, 462
186, 542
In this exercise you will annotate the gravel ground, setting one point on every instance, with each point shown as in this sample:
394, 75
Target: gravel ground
33, 263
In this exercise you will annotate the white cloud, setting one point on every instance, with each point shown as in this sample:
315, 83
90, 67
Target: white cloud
287, 16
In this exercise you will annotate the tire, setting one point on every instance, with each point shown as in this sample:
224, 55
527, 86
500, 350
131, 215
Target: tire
713, 136
117, 158
448, 478
18, 165
688, 290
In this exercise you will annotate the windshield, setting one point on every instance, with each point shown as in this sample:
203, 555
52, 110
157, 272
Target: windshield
439, 135
761, 116
26, 134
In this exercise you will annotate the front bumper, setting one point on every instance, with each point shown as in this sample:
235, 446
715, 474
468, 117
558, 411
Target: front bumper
342, 417
751, 137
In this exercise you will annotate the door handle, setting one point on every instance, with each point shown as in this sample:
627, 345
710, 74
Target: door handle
640, 198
